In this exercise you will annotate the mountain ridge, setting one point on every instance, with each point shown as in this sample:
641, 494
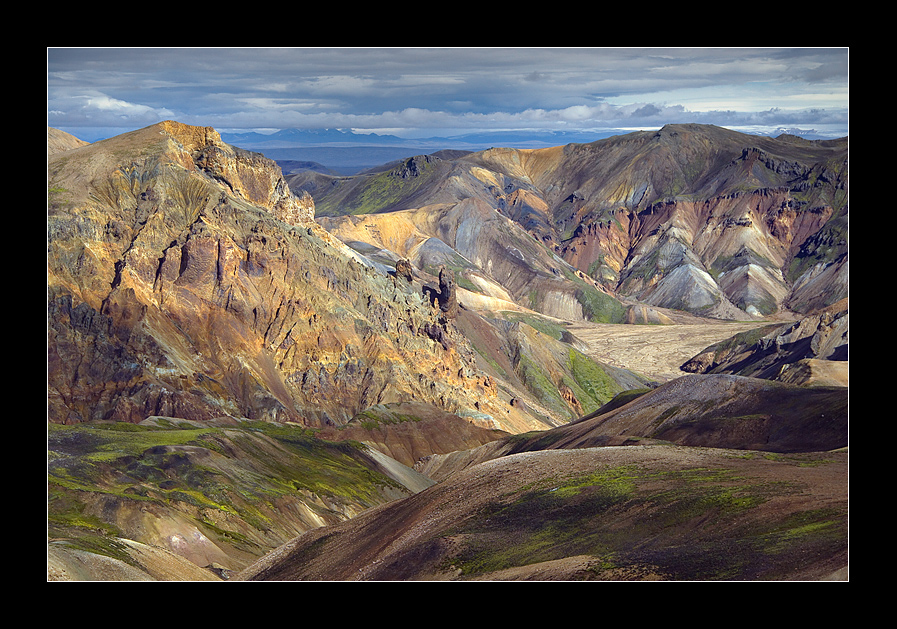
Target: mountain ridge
746, 221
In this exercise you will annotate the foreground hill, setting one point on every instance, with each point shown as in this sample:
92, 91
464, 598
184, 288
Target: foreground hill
691, 217
613, 513
755, 490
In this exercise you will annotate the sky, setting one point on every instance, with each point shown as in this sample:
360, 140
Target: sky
94, 93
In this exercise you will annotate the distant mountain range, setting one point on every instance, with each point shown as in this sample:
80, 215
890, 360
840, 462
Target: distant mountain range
345, 152
317, 138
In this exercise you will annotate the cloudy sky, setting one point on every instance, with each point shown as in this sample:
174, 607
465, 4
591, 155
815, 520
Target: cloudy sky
95, 93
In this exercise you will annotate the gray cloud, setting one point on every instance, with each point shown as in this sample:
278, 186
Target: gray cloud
425, 91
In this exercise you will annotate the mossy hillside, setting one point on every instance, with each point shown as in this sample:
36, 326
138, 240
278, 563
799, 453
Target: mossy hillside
543, 325
546, 369
538, 382
593, 385
597, 307
626, 517
385, 190
241, 471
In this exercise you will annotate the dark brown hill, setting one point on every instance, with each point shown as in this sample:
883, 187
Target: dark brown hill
718, 411
614, 513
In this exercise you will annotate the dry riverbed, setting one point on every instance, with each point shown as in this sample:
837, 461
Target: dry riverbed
654, 351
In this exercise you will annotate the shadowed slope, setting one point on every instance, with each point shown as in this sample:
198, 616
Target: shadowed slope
719, 411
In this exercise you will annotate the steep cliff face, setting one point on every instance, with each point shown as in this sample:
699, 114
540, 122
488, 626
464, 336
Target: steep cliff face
186, 280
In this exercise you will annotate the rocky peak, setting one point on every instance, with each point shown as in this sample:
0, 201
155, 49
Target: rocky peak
405, 270
414, 166
448, 299
247, 175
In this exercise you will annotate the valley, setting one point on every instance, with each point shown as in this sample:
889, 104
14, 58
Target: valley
624, 360
657, 352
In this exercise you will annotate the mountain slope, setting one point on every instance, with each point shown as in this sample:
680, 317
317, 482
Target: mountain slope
225, 375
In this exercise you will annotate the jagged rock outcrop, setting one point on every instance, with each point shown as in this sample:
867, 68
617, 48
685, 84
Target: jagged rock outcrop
405, 270
414, 166
448, 298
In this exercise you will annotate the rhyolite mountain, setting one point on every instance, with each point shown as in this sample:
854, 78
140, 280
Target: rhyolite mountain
230, 373
690, 217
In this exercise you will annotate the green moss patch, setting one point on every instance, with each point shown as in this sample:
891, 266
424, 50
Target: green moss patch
241, 471
598, 307
687, 524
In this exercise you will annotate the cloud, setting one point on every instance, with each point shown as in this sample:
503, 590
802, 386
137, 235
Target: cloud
419, 90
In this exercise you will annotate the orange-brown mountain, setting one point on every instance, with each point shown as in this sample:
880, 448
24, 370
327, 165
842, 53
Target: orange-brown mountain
186, 280
693, 217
